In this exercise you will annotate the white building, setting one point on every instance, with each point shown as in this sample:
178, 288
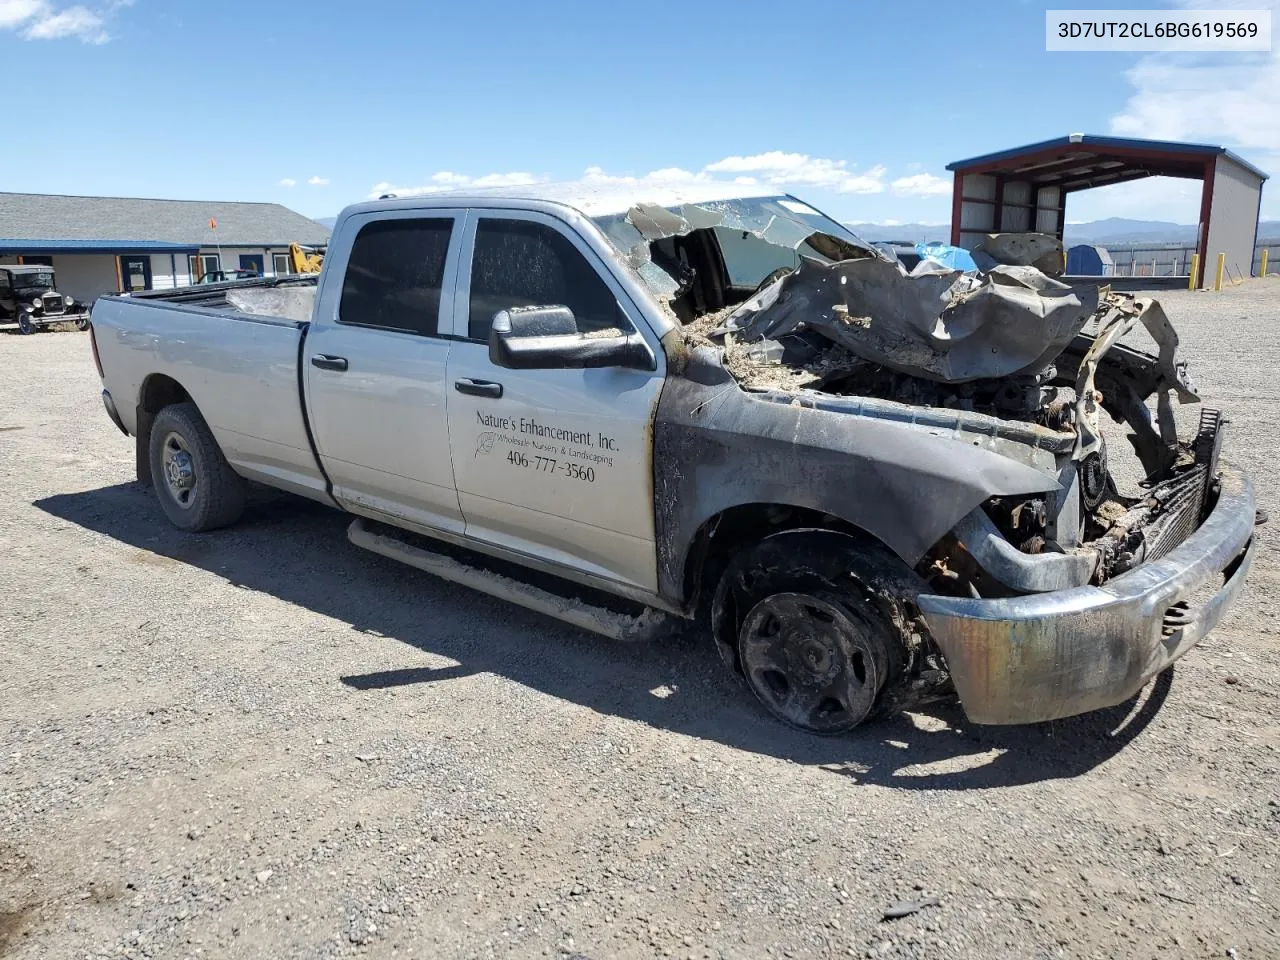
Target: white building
100, 245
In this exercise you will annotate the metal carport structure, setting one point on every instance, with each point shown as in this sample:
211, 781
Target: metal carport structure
1026, 188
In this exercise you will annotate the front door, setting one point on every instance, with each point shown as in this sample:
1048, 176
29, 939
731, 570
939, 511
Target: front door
374, 362
555, 464
253, 261
135, 274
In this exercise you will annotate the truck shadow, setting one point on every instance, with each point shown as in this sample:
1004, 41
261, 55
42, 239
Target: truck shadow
297, 551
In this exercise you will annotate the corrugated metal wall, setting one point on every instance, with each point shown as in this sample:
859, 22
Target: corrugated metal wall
1233, 220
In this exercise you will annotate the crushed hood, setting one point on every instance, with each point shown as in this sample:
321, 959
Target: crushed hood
936, 324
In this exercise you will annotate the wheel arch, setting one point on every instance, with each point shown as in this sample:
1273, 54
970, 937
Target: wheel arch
158, 390
742, 525
825, 558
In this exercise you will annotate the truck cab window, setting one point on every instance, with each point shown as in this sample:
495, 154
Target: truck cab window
394, 276
518, 263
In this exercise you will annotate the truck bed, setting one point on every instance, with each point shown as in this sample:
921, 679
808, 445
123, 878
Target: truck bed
221, 346
289, 298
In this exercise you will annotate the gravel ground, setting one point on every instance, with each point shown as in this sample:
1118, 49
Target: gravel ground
266, 743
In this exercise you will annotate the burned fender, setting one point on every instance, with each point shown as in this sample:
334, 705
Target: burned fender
904, 475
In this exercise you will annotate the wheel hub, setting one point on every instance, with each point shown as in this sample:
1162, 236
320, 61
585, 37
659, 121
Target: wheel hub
179, 469
810, 661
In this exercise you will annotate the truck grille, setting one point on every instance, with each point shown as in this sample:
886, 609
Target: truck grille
1183, 499
54, 305
1182, 503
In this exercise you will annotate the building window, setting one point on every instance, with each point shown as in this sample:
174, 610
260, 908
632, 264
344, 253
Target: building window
198, 265
280, 264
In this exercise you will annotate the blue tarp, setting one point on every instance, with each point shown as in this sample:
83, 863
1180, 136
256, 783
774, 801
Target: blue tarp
955, 258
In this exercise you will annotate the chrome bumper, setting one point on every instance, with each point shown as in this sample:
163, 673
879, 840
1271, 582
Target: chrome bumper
1051, 655
46, 318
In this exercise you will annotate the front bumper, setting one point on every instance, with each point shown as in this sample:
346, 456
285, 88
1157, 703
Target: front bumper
45, 319
1051, 655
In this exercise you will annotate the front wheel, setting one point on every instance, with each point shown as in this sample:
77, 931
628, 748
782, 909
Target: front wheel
82, 323
816, 624
26, 324
195, 485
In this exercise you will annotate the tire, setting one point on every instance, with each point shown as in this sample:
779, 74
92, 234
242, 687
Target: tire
815, 624
25, 324
82, 324
195, 485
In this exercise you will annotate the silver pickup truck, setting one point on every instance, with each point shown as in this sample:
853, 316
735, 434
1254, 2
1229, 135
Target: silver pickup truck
631, 410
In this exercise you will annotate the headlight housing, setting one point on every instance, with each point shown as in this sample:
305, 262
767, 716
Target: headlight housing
69, 301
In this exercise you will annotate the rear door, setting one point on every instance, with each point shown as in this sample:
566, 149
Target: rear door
375, 363
555, 464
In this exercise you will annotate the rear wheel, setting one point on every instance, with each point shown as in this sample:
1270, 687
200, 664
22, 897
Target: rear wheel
195, 485
815, 623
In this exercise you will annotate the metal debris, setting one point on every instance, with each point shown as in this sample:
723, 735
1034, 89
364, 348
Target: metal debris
905, 908
939, 325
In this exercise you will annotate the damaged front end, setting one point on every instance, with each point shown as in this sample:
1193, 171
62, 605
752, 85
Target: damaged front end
1008, 359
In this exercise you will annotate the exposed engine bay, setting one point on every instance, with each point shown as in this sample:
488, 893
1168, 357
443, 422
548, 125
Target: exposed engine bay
800, 306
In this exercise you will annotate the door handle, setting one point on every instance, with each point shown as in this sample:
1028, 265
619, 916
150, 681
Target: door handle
478, 388
326, 362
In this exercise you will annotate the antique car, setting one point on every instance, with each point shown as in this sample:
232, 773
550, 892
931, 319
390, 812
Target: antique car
29, 297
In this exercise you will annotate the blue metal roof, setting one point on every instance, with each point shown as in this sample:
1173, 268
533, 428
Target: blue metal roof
94, 246
1172, 147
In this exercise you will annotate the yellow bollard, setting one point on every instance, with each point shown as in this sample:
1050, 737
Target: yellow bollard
1195, 268
1262, 271
1217, 277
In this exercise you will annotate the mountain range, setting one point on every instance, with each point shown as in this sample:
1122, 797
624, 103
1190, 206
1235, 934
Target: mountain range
1113, 230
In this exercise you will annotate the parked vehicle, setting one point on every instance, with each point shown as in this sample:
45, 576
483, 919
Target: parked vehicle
223, 276
870, 488
28, 295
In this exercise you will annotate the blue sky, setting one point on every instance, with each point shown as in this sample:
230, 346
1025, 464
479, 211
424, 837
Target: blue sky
857, 106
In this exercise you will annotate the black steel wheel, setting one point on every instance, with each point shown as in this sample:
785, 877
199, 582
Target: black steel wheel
25, 323
813, 662
815, 623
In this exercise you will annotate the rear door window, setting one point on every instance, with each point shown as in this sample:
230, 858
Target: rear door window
519, 263
395, 275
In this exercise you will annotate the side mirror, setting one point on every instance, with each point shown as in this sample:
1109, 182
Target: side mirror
547, 338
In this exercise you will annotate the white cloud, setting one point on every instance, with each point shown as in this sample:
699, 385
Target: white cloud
872, 181
779, 168
288, 182
318, 182
921, 185
79, 22
1225, 98
14, 13
447, 180
42, 20
773, 169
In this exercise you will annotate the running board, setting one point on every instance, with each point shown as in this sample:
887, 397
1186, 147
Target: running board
648, 625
